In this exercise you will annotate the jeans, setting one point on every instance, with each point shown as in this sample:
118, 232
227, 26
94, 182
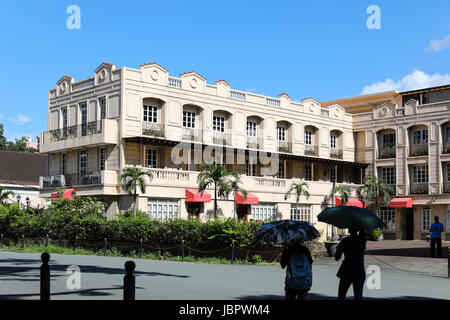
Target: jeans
295, 295
345, 284
433, 243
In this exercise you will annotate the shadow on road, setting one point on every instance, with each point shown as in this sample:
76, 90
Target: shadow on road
316, 296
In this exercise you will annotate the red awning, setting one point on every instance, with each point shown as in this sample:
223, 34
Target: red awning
353, 202
193, 195
66, 195
251, 198
401, 203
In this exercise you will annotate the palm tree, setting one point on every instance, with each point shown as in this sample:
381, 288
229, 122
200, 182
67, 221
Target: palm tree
133, 178
216, 175
233, 185
4, 194
372, 189
299, 189
344, 193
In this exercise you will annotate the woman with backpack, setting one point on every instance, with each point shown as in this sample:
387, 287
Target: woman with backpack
298, 260
352, 271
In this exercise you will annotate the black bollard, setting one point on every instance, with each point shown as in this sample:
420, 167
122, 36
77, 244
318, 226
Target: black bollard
140, 248
45, 277
104, 248
182, 250
1, 240
448, 263
232, 252
23, 242
46, 240
75, 244
129, 281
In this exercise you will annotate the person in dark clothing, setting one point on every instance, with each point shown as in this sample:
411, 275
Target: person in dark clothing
352, 271
436, 229
286, 254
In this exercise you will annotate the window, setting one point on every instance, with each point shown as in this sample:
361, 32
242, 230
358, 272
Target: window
447, 222
388, 175
281, 173
218, 124
102, 159
281, 133
264, 212
308, 137
447, 134
189, 119
302, 213
64, 163
420, 174
389, 140
102, 104
162, 209
250, 170
83, 114
151, 158
425, 219
387, 215
308, 172
64, 119
333, 141
150, 113
252, 129
448, 172
420, 136
82, 162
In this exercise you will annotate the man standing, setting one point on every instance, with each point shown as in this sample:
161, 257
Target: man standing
436, 228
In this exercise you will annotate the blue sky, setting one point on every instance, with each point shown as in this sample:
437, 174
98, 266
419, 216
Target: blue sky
320, 49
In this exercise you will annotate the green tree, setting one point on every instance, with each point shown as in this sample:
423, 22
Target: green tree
298, 189
344, 193
372, 189
133, 178
216, 175
3, 140
4, 195
233, 185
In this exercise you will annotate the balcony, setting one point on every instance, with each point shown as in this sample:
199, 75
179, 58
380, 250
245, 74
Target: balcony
311, 150
269, 182
419, 188
284, 146
254, 143
446, 147
70, 180
190, 134
84, 135
154, 130
387, 153
222, 138
446, 187
336, 153
418, 150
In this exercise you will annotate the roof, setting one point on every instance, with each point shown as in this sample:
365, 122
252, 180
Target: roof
22, 167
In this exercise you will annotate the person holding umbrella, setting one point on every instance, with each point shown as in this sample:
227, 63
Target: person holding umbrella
352, 271
295, 256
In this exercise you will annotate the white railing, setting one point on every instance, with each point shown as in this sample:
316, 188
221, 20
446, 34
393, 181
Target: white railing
174, 82
270, 182
237, 95
273, 102
169, 174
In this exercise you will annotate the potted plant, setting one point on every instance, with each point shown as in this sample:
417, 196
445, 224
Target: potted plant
377, 235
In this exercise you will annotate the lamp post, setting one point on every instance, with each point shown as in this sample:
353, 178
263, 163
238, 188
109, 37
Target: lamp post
28, 201
18, 199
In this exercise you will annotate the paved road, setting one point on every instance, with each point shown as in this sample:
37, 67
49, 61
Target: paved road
102, 278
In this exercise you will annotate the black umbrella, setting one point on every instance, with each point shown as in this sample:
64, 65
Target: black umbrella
285, 231
351, 217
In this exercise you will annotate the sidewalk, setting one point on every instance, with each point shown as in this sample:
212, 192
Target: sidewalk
406, 256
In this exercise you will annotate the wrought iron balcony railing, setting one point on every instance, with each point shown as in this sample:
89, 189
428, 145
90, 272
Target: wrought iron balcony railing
68, 180
222, 138
336, 153
419, 188
155, 130
284, 146
81, 130
446, 147
387, 153
254, 143
190, 134
418, 150
311, 150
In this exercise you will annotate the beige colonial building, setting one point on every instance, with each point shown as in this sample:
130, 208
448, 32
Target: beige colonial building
404, 137
169, 125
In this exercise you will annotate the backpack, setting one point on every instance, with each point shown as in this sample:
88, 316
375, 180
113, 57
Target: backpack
299, 274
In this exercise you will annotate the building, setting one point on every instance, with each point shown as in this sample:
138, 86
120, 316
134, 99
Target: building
404, 137
169, 125
20, 173
138, 117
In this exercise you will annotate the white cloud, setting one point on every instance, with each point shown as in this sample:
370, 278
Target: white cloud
415, 80
439, 45
20, 119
